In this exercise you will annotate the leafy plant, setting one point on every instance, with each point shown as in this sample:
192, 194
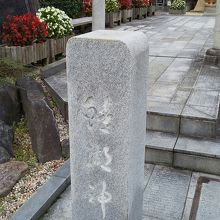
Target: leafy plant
73, 8
59, 24
178, 5
23, 30
125, 4
112, 6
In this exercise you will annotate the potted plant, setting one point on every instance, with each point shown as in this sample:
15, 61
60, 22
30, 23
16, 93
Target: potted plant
24, 39
151, 8
59, 28
126, 10
87, 7
178, 7
113, 13
140, 9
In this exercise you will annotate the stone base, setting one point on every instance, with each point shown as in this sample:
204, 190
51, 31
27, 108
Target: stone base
212, 57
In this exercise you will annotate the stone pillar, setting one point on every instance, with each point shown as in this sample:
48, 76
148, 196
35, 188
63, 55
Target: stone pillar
107, 75
213, 54
98, 15
217, 27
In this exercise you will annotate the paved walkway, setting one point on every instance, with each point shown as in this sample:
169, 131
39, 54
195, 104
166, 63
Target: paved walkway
170, 194
178, 81
179, 84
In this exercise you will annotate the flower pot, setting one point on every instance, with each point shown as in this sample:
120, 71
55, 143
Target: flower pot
151, 10
177, 11
57, 46
126, 15
113, 18
26, 54
140, 13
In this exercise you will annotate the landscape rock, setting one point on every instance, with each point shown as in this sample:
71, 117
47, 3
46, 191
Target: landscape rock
6, 137
10, 106
40, 120
10, 173
4, 155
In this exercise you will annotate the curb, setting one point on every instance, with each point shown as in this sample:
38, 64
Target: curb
45, 196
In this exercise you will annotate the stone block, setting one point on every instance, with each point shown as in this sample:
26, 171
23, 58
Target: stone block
163, 123
197, 163
197, 127
10, 106
6, 138
107, 75
40, 120
156, 156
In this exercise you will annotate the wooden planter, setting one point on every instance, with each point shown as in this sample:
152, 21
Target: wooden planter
140, 13
57, 46
113, 18
26, 54
126, 15
177, 12
45, 52
151, 10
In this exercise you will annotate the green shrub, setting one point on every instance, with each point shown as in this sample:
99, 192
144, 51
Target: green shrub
59, 24
112, 5
73, 8
178, 5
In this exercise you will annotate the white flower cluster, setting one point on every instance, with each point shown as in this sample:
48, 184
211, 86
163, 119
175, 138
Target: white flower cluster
59, 24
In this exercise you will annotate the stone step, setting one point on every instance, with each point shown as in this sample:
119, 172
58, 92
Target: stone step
210, 11
183, 152
197, 117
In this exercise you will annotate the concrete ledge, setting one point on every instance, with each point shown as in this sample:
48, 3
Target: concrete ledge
41, 200
53, 68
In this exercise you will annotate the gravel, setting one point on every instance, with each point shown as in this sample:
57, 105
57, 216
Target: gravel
37, 175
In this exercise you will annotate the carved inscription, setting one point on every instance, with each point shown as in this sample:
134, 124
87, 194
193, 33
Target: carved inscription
103, 197
97, 118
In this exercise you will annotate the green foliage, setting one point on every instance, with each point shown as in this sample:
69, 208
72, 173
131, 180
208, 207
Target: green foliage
178, 5
112, 5
73, 8
9, 68
10, 71
59, 24
22, 145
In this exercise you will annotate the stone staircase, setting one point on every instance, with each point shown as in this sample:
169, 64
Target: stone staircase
179, 135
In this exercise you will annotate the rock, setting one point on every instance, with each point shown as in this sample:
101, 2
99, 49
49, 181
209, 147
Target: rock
4, 155
10, 173
6, 137
65, 145
40, 120
10, 106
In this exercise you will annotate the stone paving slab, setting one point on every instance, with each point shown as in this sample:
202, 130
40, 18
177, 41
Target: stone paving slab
165, 195
169, 195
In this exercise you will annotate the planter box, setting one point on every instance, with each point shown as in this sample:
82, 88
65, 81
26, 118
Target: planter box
45, 52
26, 54
151, 10
113, 18
139, 13
126, 15
57, 46
177, 12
